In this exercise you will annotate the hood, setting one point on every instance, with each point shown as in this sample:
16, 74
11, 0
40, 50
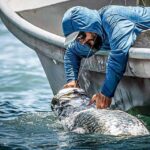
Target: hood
81, 19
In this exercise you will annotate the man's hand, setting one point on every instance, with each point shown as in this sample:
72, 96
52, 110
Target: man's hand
71, 84
101, 100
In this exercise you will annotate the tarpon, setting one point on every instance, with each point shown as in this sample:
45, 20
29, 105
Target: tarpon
71, 107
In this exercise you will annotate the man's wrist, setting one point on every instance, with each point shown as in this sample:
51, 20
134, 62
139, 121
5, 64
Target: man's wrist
105, 93
105, 96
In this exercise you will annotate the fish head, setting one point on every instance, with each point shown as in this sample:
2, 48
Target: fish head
68, 100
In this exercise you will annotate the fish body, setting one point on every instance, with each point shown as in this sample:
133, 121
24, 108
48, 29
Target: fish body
71, 107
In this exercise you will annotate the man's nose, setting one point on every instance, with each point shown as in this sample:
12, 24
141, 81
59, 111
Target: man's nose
83, 42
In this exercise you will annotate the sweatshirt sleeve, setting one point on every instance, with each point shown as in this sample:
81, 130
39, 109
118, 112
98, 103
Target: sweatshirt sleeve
121, 36
71, 63
72, 58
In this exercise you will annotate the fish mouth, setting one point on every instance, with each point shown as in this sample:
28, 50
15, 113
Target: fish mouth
74, 97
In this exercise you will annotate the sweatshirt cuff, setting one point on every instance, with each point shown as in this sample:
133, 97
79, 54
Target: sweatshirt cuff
104, 90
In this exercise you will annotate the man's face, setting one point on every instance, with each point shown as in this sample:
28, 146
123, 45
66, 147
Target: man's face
88, 38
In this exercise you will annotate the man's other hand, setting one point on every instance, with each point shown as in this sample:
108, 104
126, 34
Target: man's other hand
101, 101
71, 84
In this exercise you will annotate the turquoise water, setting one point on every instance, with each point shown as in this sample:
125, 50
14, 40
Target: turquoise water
26, 120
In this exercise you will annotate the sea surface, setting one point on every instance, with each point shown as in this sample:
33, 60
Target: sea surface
26, 119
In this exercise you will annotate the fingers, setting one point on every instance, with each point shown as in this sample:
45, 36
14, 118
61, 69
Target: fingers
92, 100
70, 84
101, 101
104, 103
65, 86
109, 102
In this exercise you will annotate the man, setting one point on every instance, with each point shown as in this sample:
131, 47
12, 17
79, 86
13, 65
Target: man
112, 27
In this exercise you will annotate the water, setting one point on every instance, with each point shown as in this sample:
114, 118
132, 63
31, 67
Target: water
26, 120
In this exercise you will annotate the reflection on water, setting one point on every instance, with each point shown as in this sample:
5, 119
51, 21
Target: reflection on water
26, 120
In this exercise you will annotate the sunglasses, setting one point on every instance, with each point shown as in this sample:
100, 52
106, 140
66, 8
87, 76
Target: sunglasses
82, 36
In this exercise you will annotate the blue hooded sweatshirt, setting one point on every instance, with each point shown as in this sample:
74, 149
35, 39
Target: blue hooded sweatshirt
118, 27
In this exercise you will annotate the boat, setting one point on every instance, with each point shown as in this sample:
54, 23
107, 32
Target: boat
38, 25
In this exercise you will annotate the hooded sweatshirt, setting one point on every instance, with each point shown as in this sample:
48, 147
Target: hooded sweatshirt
118, 27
